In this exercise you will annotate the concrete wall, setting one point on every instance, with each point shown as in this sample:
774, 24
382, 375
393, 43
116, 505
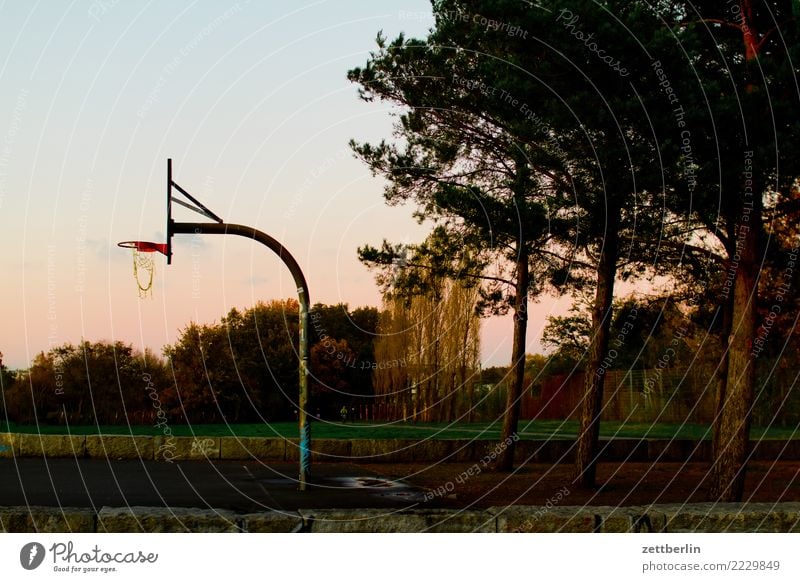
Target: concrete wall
683, 518
361, 451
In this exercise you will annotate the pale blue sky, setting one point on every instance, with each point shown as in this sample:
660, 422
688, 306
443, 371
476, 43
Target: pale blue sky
251, 101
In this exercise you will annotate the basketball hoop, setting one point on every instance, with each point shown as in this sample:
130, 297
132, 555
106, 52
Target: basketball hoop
143, 261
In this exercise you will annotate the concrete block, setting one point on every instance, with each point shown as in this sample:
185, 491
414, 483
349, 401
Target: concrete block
267, 449
781, 518
432, 451
792, 451
164, 447
449, 521
623, 450
461, 451
331, 450
443, 451
701, 452
120, 447
166, 520
271, 522
51, 445
629, 519
678, 451
767, 450
62, 520
46, 520
187, 448
541, 519
14, 520
776, 450
382, 451
291, 450
526, 451
363, 521
487, 452
392, 521
555, 451
9, 445
733, 517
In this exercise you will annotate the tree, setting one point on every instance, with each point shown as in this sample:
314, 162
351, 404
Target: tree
245, 367
330, 387
536, 367
743, 121
242, 369
6, 382
759, 20
6, 376
428, 348
567, 336
91, 383
605, 122
644, 327
358, 329
561, 124
469, 174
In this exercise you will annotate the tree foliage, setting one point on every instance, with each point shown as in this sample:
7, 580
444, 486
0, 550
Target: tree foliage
246, 367
544, 162
428, 348
655, 162
242, 369
6, 376
88, 383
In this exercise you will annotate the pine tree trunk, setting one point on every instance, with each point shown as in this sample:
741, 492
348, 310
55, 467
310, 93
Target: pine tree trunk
594, 376
505, 461
731, 438
732, 429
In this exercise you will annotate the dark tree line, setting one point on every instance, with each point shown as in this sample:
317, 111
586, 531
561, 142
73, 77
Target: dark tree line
84, 384
675, 334
242, 369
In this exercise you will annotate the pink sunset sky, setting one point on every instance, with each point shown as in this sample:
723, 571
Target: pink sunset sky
252, 103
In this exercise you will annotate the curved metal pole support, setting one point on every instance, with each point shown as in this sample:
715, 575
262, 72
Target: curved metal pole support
303, 297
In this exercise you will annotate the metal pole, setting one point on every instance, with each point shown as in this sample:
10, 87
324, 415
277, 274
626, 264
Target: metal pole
303, 297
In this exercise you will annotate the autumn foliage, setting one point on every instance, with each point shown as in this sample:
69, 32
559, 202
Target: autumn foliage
242, 369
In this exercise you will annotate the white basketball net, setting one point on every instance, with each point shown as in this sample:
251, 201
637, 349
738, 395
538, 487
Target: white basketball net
143, 263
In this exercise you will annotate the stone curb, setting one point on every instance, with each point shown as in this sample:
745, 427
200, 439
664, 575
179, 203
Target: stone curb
47, 520
668, 518
171, 448
166, 520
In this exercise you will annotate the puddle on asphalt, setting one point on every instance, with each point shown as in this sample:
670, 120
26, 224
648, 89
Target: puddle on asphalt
371, 483
382, 487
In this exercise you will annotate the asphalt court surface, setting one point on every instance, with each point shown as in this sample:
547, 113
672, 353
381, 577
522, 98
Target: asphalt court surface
235, 485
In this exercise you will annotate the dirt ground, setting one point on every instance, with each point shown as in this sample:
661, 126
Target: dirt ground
461, 485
